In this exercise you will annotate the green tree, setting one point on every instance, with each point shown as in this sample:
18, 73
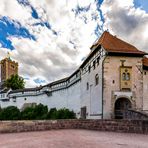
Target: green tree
52, 114
65, 113
28, 113
40, 111
15, 82
37, 112
10, 113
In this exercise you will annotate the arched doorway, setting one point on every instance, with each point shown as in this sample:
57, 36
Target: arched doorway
121, 105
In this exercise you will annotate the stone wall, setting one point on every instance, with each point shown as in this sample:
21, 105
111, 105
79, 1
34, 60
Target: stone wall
128, 126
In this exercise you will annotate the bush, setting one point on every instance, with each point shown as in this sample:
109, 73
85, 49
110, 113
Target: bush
61, 114
10, 113
65, 114
52, 114
38, 112
27, 113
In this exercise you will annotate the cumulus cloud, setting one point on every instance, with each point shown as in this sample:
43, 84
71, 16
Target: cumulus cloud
126, 21
64, 31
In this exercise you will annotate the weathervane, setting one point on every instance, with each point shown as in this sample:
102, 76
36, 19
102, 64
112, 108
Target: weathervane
8, 55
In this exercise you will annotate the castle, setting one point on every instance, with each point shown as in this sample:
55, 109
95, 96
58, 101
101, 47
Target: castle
112, 79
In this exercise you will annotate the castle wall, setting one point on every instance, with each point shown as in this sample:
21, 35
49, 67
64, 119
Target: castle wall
67, 97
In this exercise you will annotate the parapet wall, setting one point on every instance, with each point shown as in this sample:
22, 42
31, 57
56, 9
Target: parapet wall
128, 126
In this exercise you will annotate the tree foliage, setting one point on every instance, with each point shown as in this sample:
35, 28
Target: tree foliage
62, 113
15, 82
38, 112
10, 113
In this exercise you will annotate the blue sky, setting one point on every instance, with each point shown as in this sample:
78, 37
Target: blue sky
143, 4
49, 39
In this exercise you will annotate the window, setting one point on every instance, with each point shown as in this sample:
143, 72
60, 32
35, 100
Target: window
94, 64
89, 68
12, 66
126, 76
98, 59
14, 98
123, 76
87, 86
97, 79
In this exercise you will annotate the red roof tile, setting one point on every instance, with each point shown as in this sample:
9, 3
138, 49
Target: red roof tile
113, 44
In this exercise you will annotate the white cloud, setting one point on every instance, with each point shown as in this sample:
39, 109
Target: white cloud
127, 22
55, 56
15, 11
51, 57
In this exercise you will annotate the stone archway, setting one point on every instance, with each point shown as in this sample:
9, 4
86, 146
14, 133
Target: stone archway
121, 105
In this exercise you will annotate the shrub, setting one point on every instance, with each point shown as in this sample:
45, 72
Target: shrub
10, 113
38, 112
52, 114
65, 114
27, 113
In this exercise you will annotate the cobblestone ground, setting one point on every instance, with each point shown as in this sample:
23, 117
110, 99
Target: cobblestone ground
73, 139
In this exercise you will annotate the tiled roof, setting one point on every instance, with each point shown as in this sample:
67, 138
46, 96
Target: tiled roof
25, 90
112, 44
145, 61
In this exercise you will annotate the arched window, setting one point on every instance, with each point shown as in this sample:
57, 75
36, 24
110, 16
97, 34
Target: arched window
96, 79
123, 76
128, 76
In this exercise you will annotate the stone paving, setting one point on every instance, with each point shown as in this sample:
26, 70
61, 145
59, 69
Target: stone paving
73, 139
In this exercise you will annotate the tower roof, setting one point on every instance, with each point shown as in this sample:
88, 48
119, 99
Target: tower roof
112, 44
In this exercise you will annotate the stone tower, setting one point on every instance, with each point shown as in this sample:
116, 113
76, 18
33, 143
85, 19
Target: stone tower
8, 68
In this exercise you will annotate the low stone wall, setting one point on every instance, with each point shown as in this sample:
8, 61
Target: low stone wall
128, 126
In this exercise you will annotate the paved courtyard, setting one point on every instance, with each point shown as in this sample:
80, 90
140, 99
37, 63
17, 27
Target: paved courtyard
73, 139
